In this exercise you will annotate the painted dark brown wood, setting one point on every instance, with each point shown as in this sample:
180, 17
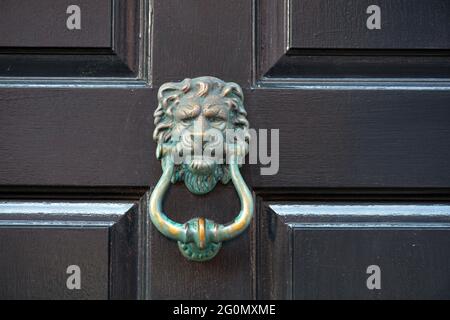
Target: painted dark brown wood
344, 136
353, 65
366, 137
334, 44
317, 250
43, 24
271, 34
40, 240
126, 57
35, 261
51, 64
405, 24
132, 36
228, 276
373, 138
181, 29
413, 263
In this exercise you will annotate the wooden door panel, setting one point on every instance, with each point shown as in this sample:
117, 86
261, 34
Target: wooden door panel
36, 47
25, 25
352, 110
333, 46
35, 261
226, 26
328, 138
411, 259
39, 241
361, 137
404, 24
77, 137
318, 250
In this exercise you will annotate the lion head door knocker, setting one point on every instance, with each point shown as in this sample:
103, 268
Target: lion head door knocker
203, 135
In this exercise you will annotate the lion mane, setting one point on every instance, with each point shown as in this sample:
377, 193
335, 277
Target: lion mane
169, 95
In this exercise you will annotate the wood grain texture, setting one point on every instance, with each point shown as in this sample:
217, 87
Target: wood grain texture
40, 240
274, 255
92, 142
414, 263
352, 66
67, 140
405, 24
199, 38
327, 42
52, 53
271, 34
35, 260
355, 138
51, 65
328, 138
321, 250
228, 276
132, 35
43, 24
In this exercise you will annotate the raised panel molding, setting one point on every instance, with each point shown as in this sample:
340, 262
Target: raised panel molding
105, 239
284, 59
321, 250
125, 62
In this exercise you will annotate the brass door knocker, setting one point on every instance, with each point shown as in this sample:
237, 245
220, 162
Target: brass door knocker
203, 135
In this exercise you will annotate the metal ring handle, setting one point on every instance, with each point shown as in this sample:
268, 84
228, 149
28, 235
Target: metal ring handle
200, 239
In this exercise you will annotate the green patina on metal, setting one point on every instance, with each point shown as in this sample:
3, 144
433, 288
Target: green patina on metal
193, 122
200, 249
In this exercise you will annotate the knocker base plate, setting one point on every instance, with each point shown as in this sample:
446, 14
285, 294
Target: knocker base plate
192, 252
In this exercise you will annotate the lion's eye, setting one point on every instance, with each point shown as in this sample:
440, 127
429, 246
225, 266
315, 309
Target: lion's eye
216, 119
186, 113
187, 120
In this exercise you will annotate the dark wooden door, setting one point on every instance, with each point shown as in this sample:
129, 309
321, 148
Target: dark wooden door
360, 96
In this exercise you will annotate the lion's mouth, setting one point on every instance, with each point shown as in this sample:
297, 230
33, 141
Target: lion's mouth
201, 175
202, 165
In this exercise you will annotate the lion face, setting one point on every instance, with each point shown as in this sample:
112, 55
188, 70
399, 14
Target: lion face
199, 123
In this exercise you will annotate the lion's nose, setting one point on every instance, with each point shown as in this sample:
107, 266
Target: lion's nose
199, 139
192, 140
197, 136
